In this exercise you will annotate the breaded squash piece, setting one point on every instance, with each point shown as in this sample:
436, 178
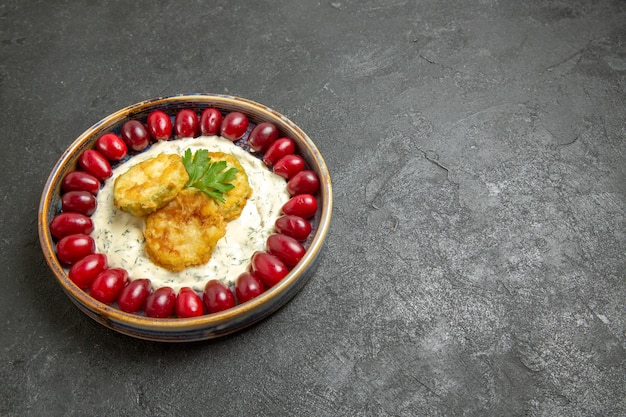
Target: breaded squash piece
236, 198
184, 232
150, 184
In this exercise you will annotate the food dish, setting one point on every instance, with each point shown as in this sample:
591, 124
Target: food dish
207, 326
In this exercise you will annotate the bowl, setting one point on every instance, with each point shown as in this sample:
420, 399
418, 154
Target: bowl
207, 326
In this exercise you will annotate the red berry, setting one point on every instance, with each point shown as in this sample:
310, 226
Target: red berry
234, 125
269, 268
262, 136
80, 181
217, 296
108, 284
160, 304
96, 164
112, 147
186, 124
289, 165
85, 271
288, 249
73, 248
159, 125
281, 147
303, 205
210, 122
133, 297
135, 135
248, 286
294, 226
65, 224
188, 303
304, 182
79, 202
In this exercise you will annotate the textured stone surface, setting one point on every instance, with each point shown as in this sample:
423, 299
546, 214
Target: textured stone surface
476, 261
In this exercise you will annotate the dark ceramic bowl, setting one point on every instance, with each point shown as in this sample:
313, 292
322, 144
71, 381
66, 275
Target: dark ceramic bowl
207, 326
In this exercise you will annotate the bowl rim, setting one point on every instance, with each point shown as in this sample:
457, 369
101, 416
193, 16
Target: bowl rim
208, 325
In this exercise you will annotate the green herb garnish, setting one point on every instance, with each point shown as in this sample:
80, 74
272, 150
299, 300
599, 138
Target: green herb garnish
212, 178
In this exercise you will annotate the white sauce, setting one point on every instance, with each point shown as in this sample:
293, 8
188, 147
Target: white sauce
119, 235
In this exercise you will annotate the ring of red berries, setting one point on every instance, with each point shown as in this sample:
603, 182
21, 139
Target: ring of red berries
89, 270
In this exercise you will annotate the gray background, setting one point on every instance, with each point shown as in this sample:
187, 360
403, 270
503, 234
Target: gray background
475, 262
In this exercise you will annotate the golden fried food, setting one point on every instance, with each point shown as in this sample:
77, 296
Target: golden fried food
183, 225
236, 198
150, 184
184, 232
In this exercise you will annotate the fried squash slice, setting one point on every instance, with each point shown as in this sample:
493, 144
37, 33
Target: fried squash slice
236, 198
150, 184
184, 232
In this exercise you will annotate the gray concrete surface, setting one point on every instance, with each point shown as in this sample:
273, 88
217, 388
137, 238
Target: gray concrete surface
476, 260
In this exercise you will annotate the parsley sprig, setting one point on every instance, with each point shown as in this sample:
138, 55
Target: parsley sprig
212, 178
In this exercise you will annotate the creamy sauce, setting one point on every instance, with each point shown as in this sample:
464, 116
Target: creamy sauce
119, 235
